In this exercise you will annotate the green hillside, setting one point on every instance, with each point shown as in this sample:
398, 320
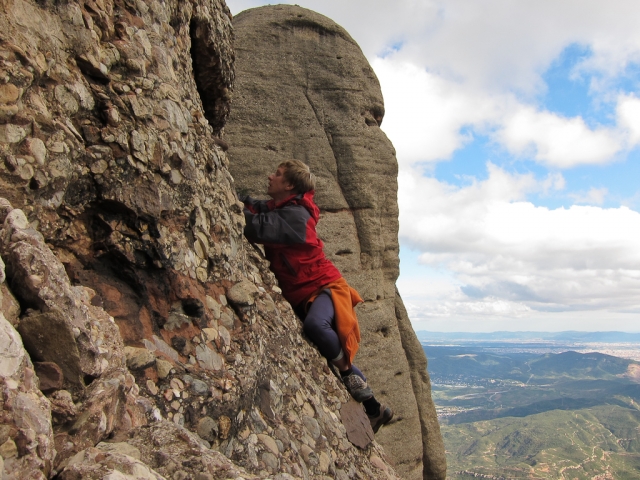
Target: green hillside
599, 442
578, 365
536, 416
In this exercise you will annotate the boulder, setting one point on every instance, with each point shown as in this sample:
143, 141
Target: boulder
104, 463
175, 452
26, 433
62, 324
109, 409
50, 376
9, 306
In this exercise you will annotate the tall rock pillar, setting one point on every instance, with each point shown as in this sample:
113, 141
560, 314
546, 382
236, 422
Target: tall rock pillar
304, 90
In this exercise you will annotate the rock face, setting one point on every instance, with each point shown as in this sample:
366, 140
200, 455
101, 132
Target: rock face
163, 342
26, 442
304, 90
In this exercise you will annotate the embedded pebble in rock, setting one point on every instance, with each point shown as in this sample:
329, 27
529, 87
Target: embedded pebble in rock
138, 358
177, 384
9, 93
12, 133
211, 333
242, 294
312, 426
8, 449
308, 410
224, 425
270, 460
151, 386
207, 429
309, 455
226, 321
324, 462
37, 149
164, 368
99, 167
199, 387
225, 335
7, 111
5, 209
270, 443
208, 358
213, 306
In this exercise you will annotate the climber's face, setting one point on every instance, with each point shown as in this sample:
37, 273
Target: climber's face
279, 188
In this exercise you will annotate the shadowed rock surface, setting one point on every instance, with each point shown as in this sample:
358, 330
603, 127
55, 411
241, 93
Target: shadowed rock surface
304, 90
170, 351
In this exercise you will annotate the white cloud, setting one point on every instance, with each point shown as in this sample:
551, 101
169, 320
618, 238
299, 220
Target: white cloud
595, 196
445, 300
506, 254
557, 141
628, 113
554, 181
506, 45
375, 24
425, 113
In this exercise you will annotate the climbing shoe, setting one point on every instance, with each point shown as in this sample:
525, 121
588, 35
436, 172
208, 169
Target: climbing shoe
357, 387
383, 417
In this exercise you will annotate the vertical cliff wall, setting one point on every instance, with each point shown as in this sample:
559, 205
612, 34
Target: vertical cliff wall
139, 333
304, 90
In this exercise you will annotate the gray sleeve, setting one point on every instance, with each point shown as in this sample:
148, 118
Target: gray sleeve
254, 205
286, 225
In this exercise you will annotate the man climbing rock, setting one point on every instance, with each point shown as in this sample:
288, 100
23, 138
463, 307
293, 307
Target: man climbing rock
286, 226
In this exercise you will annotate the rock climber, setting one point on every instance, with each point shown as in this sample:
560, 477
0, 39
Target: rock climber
310, 282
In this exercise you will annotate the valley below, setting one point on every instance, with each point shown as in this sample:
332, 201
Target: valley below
536, 407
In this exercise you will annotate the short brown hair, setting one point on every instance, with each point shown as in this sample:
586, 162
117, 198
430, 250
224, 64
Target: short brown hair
298, 175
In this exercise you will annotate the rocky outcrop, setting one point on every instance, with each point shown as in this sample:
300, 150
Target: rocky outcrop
163, 342
304, 90
62, 327
26, 441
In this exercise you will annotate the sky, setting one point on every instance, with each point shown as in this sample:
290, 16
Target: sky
517, 131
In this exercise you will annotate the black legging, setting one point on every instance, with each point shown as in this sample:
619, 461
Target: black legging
319, 326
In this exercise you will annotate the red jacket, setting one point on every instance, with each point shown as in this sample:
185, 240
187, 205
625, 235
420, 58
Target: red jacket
291, 244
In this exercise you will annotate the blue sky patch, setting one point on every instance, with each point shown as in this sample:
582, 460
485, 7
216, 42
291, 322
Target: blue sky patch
470, 161
567, 92
392, 48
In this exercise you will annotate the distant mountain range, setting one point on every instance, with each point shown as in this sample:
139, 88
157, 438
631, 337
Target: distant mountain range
568, 336
506, 412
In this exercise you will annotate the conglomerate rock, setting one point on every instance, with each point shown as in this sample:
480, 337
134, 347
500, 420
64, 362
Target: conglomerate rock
119, 211
26, 434
304, 90
68, 330
62, 328
96, 464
